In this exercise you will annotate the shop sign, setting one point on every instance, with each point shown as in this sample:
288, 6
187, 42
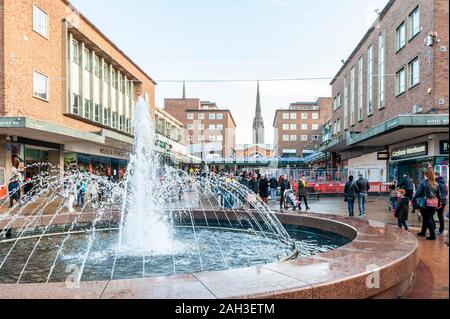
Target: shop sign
12, 122
410, 151
443, 147
440, 121
112, 152
383, 156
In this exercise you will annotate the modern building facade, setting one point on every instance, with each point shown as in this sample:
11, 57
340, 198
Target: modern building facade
171, 140
297, 129
210, 131
67, 92
390, 98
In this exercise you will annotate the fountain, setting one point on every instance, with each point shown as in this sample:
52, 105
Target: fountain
157, 222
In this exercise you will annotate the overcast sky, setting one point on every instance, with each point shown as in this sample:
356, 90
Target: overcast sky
236, 40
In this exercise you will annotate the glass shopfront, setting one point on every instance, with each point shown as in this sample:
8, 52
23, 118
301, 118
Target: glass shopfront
413, 167
103, 166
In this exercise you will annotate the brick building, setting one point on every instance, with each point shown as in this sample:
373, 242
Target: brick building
210, 131
391, 94
66, 91
297, 130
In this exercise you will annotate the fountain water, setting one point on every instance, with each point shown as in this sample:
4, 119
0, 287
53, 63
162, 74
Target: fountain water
158, 221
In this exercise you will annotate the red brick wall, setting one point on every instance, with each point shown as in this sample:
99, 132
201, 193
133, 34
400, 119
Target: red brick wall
441, 70
403, 103
2, 61
32, 51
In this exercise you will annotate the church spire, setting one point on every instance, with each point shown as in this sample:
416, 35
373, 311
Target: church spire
184, 90
258, 121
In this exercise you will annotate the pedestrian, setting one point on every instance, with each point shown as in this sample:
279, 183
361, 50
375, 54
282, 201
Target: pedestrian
443, 194
350, 193
81, 189
393, 198
303, 192
72, 191
408, 185
402, 209
363, 191
264, 188
428, 200
284, 186
13, 190
273, 188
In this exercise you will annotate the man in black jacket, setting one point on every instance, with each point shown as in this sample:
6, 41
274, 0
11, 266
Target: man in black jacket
443, 192
273, 183
363, 191
407, 184
284, 185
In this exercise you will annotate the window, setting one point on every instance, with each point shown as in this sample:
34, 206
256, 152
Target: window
304, 127
400, 81
121, 122
360, 89
76, 104
219, 127
285, 138
201, 127
338, 125
201, 138
212, 116
86, 60
414, 23
219, 138
201, 116
40, 85
212, 127
285, 116
285, 127
97, 113
345, 102
315, 116
40, 21
414, 71
190, 116
106, 73
400, 36
97, 66
190, 138
293, 138
369, 81
87, 108
304, 138
115, 119
220, 116
106, 117
339, 100
212, 138
315, 138
352, 96
115, 82
190, 127
293, 127
381, 71
76, 52
315, 127
304, 116
293, 116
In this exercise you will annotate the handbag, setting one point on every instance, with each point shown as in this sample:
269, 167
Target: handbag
432, 202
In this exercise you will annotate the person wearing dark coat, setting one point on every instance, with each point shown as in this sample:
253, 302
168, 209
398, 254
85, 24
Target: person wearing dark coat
253, 184
264, 188
443, 192
13, 191
273, 188
407, 184
428, 199
402, 209
303, 192
284, 185
351, 192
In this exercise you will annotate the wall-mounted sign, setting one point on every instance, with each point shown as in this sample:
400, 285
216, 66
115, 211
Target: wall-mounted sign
112, 152
410, 151
383, 156
443, 147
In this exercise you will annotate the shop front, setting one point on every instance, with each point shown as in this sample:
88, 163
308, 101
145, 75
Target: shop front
96, 159
414, 158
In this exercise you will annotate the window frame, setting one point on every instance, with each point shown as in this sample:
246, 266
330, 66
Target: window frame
411, 36
398, 81
398, 44
381, 71
47, 86
369, 86
410, 73
190, 116
47, 35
